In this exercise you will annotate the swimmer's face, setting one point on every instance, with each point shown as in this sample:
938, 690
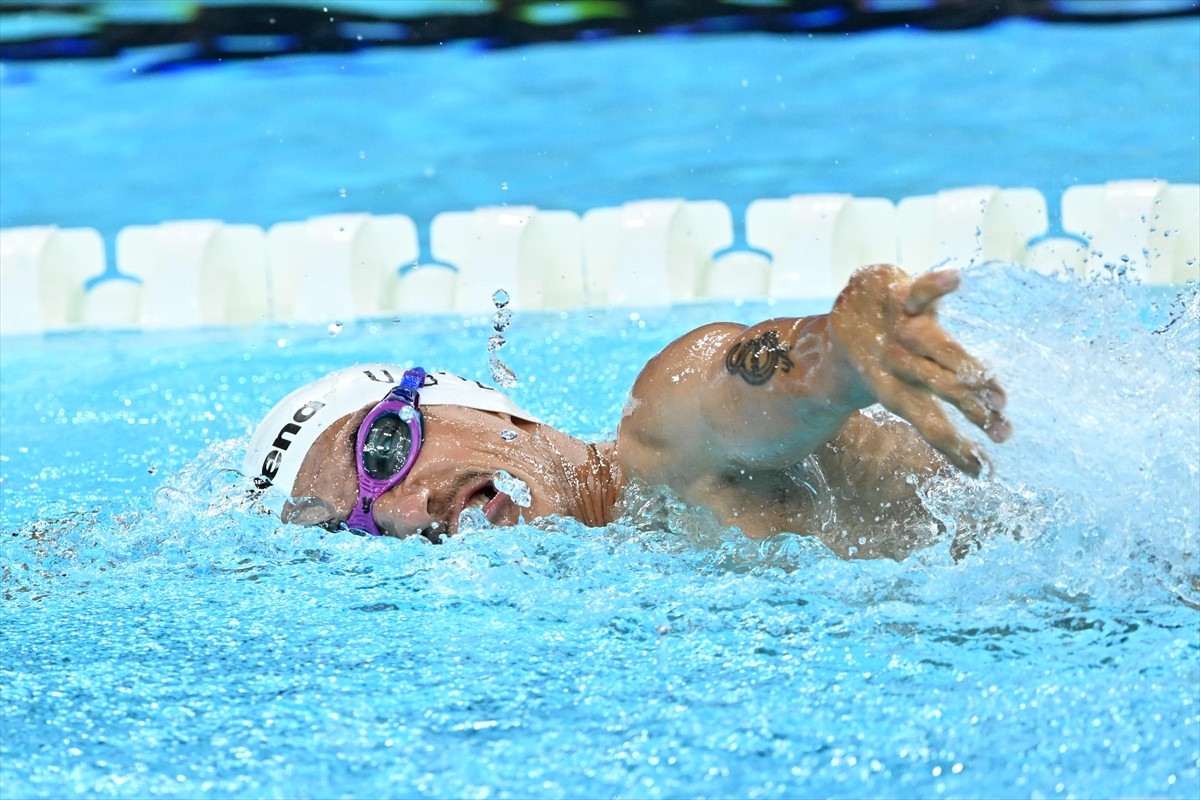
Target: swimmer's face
461, 451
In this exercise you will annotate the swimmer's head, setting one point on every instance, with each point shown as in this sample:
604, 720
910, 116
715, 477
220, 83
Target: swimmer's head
284, 437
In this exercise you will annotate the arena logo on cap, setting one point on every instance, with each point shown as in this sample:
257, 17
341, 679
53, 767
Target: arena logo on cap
273, 459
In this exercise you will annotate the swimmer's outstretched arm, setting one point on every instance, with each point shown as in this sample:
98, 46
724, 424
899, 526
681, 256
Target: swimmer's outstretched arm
727, 396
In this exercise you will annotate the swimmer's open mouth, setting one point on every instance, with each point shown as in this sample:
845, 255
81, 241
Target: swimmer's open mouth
495, 505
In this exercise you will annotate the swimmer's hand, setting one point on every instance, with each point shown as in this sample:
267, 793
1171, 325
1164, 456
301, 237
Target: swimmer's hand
884, 324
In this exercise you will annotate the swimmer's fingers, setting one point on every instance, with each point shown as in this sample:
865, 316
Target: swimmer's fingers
982, 403
926, 290
926, 415
925, 337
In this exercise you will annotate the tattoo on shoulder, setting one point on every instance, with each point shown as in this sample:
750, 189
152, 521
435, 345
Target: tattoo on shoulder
757, 359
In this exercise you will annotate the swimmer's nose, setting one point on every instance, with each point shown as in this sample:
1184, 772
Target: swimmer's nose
404, 512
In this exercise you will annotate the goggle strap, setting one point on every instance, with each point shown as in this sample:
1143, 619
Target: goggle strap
409, 387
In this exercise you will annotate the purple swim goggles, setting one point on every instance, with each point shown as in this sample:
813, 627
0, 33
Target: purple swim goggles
387, 446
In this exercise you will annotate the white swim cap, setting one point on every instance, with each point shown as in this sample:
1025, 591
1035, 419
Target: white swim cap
284, 437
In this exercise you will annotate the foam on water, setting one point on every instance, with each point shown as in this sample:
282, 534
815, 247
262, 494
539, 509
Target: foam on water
179, 642
1101, 481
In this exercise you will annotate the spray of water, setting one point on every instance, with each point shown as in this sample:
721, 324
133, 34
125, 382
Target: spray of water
1097, 487
515, 488
502, 374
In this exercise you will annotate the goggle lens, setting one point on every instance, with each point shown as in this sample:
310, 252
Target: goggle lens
387, 446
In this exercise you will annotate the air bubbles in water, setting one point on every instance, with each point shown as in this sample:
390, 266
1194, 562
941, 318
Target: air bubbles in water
515, 488
335, 328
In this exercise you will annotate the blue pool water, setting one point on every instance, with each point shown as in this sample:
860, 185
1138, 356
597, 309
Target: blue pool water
578, 126
160, 638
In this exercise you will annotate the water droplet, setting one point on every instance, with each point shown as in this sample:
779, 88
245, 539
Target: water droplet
502, 376
407, 413
500, 298
508, 435
504, 186
335, 328
515, 488
153, 470
495, 342
342, 192
502, 319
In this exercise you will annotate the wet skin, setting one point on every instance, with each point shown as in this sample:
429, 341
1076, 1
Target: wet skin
461, 451
723, 416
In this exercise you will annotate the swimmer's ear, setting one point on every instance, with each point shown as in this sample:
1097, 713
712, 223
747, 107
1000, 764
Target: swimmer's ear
311, 512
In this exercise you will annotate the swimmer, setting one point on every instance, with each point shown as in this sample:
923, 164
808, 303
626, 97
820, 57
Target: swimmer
728, 417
